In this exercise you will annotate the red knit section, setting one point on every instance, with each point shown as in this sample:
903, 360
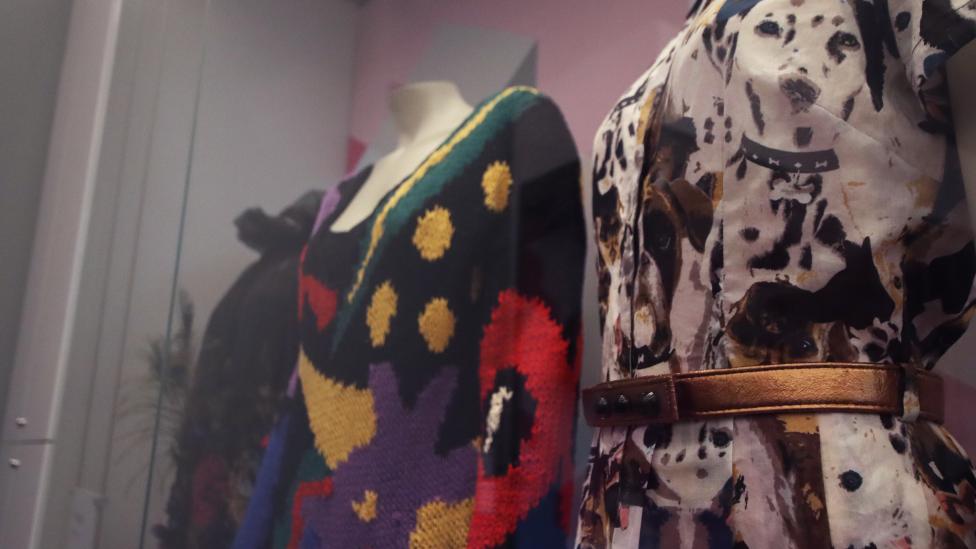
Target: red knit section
316, 488
321, 299
523, 335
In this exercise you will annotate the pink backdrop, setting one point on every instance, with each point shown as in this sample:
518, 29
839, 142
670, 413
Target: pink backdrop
587, 56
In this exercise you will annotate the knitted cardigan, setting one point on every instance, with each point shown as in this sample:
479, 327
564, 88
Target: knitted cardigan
438, 385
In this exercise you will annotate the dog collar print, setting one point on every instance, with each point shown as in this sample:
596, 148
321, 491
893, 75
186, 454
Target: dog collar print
789, 161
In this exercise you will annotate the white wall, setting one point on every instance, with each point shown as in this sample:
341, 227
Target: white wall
31, 428
271, 124
32, 37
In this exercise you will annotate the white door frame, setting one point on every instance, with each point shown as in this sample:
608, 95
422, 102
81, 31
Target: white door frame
37, 384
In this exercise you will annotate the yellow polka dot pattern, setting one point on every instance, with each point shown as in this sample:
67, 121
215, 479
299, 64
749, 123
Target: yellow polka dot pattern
341, 417
434, 232
366, 509
496, 182
435, 158
442, 525
436, 324
382, 308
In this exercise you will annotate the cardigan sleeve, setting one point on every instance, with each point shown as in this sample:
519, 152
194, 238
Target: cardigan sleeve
530, 348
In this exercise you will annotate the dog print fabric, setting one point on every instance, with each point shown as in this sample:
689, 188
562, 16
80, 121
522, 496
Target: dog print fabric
439, 359
782, 185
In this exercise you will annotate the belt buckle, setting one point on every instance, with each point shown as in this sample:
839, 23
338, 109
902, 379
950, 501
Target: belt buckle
633, 402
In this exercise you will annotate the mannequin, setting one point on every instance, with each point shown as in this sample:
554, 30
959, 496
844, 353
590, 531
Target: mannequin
450, 281
758, 156
425, 113
962, 80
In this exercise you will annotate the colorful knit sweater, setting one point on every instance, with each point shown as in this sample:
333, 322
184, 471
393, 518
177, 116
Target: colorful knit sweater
440, 352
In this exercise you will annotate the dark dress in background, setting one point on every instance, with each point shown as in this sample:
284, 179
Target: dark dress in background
247, 355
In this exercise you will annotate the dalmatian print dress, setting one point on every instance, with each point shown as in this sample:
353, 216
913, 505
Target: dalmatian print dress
782, 185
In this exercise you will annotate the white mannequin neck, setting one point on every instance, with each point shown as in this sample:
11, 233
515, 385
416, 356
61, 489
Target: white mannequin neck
424, 113
426, 108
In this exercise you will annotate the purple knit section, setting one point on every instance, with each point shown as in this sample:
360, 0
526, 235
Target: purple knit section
293, 383
399, 465
328, 205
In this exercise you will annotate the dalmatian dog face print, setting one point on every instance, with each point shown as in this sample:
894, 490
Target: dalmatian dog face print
782, 185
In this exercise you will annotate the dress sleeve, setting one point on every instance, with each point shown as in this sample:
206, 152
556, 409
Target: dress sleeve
530, 348
925, 35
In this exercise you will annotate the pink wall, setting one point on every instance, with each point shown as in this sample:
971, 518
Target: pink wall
589, 52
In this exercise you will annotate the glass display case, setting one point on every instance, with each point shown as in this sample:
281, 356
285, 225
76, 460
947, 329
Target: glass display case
332, 272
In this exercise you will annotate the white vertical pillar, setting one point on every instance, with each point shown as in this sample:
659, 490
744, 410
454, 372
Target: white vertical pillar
29, 433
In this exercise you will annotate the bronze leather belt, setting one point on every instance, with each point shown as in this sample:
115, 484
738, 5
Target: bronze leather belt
774, 389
